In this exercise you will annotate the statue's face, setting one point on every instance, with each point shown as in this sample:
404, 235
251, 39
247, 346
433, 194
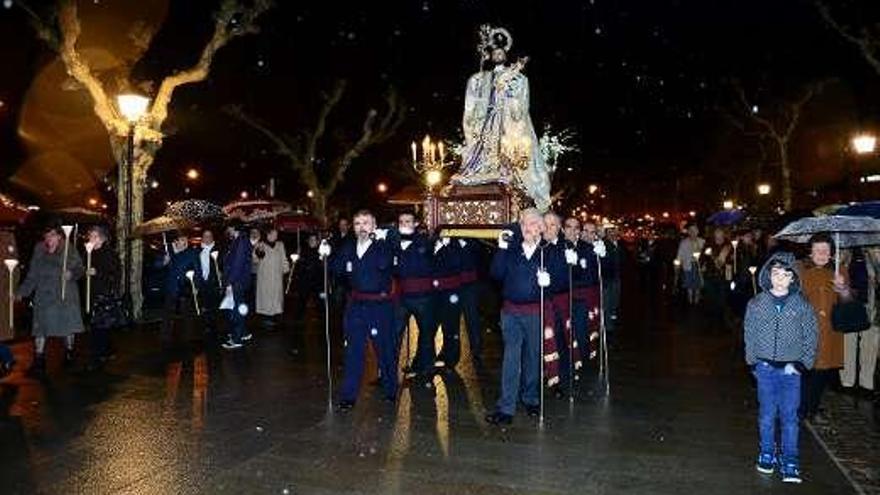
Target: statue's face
499, 56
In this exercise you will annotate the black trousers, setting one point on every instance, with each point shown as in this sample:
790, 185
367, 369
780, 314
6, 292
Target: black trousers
813, 385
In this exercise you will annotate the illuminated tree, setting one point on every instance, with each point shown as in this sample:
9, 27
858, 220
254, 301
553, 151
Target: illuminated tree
61, 31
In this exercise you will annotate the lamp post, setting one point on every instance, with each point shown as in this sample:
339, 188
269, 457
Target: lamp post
863, 145
132, 107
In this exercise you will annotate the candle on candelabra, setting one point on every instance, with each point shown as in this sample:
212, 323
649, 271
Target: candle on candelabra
415, 158
426, 148
442, 153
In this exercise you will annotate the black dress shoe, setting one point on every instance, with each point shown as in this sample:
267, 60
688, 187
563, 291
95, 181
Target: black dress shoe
346, 405
533, 411
558, 392
499, 418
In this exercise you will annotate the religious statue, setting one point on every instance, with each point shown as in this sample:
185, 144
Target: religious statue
500, 141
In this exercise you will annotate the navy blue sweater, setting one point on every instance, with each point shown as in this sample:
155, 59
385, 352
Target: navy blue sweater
554, 263
517, 274
370, 274
413, 263
447, 265
587, 272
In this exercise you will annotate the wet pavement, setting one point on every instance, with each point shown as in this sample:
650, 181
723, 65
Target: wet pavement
680, 417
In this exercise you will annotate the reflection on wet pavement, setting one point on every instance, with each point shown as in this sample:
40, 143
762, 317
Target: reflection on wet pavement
680, 416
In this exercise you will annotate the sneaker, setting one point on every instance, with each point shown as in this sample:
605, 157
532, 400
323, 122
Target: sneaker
230, 345
533, 411
766, 463
791, 473
247, 337
345, 405
499, 418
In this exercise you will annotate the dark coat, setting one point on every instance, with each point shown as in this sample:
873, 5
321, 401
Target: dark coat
517, 274
52, 316
370, 274
237, 266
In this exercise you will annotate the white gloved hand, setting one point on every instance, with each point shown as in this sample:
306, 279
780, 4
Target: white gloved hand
462, 242
571, 257
445, 241
599, 248
294, 257
790, 369
381, 234
543, 278
502, 239
583, 263
324, 249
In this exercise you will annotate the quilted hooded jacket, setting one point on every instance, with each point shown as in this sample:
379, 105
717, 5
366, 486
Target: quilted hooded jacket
780, 335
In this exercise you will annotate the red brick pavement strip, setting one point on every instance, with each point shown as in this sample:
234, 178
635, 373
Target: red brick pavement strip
852, 439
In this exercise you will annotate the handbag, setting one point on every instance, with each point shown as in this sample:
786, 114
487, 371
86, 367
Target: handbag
849, 317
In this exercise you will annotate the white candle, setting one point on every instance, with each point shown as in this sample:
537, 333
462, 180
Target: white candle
10, 265
415, 159
67, 230
89, 248
190, 274
214, 256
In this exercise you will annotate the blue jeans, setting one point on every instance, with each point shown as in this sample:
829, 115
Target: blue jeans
5, 354
779, 395
522, 343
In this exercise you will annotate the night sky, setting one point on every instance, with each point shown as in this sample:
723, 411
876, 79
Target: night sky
646, 85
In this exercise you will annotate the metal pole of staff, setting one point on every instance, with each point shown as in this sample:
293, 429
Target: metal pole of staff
327, 337
604, 367
570, 336
541, 344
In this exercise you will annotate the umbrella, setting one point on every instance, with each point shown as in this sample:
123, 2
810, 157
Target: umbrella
831, 209
164, 223
78, 214
848, 231
296, 221
256, 210
726, 217
197, 210
866, 209
10, 211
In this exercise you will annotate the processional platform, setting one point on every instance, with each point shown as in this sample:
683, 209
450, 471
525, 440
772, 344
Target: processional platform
478, 211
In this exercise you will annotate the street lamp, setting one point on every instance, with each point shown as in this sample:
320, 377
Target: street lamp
864, 144
382, 188
763, 189
728, 204
132, 107
192, 174
592, 188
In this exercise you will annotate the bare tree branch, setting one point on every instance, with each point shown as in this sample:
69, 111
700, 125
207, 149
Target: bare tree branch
234, 19
303, 158
869, 45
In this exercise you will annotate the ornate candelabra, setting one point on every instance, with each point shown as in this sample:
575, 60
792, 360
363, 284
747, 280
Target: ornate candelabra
432, 162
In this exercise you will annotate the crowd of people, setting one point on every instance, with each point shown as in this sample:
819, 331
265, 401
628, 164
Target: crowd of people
557, 282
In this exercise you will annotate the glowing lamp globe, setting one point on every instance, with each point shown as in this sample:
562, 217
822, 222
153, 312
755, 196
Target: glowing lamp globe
864, 143
132, 107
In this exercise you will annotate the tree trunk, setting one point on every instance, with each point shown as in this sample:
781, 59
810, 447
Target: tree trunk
320, 202
785, 170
